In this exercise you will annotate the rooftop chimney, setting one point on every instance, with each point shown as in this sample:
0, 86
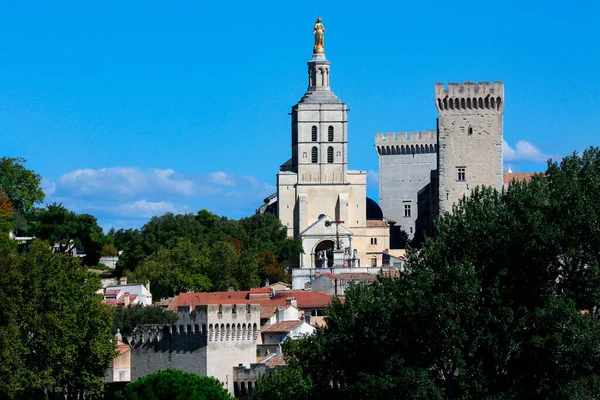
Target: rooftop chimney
126, 299
291, 301
123, 280
230, 289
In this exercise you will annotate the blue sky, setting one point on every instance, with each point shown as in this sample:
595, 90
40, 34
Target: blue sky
131, 109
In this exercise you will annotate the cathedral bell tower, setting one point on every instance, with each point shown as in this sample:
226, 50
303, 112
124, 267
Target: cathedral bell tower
319, 125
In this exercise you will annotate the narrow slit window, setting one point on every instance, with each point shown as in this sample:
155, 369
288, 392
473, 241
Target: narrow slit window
330, 133
315, 155
314, 134
330, 155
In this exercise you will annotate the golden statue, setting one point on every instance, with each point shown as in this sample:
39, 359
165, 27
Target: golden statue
319, 32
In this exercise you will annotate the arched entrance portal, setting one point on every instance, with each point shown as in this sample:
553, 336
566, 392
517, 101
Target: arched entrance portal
323, 255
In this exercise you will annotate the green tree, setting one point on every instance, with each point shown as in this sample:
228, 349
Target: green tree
173, 384
172, 271
69, 231
270, 269
21, 185
127, 318
266, 233
55, 334
500, 304
285, 384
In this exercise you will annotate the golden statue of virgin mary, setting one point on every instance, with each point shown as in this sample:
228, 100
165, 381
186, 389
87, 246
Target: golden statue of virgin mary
319, 32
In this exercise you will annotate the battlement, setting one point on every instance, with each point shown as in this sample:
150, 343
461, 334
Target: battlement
469, 96
212, 322
406, 143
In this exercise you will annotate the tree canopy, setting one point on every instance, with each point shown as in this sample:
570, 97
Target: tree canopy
205, 252
500, 304
174, 384
19, 184
68, 232
55, 334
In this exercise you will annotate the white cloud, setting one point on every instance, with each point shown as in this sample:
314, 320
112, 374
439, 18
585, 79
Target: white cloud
148, 209
125, 182
131, 195
48, 186
222, 178
523, 151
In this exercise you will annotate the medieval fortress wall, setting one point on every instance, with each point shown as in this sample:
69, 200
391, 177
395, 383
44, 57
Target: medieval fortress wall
209, 340
405, 164
464, 152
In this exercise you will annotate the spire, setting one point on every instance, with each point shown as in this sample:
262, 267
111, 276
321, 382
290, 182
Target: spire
318, 71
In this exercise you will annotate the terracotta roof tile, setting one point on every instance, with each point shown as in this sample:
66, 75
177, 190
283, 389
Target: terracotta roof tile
327, 274
304, 298
508, 177
267, 310
358, 276
122, 347
371, 222
284, 326
276, 360
120, 301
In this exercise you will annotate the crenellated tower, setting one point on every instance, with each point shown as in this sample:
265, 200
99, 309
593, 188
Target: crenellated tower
470, 136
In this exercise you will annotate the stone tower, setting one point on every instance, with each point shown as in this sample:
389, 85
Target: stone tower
319, 200
319, 153
469, 139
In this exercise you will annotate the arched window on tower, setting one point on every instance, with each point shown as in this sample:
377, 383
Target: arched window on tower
330, 133
315, 155
330, 155
313, 133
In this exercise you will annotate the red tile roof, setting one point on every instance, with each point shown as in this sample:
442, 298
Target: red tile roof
327, 274
275, 361
371, 222
284, 326
357, 276
508, 177
267, 310
122, 347
304, 298
120, 301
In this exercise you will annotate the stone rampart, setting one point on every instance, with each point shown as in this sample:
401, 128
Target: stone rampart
469, 96
406, 143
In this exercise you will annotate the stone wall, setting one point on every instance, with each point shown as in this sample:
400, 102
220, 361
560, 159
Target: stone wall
405, 164
470, 138
208, 341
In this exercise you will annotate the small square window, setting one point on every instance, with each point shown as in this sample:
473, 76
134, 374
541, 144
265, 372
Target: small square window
373, 241
407, 210
461, 175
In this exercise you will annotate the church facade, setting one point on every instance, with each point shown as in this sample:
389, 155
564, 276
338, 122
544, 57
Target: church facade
320, 201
